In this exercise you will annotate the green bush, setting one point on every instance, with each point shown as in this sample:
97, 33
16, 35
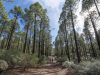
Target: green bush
11, 56
91, 67
69, 64
84, 68
3, 65
15, 58
62, 59
34, 61
43, 60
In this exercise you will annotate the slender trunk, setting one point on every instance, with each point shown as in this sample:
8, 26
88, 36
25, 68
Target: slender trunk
93, 51
77, 51
24, 46
43, 41
66, 43
73, 52
62, 50
10, 37
57, 52
18, 44
29, 43
2, 43
44, 47
6, 41
60, 46
84, 49
95, 30
34, 37
97, 7
39, 52
2, 29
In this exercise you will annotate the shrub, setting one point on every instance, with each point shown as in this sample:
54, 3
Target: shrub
12, 57
62, 59
84, 68
34, 61
3, 65
15, 58
43, 59
69, 64
91, 67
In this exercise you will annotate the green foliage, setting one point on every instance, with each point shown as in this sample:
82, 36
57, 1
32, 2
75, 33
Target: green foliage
17, 11
91, 67
2, 9
34, 61
43, 59
84, 68
15, 58
36, 8
68, 64
28, 60
62, 59
11, 56
87, 4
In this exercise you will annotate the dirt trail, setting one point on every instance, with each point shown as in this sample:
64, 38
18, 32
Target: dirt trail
47, 69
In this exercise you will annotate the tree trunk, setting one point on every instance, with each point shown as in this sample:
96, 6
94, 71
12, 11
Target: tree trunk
93, 51
24, 46
39, 52
34, 37
10, 37
18, 44
29, 42
95, 30
66, 43
73, 52
77, 51
97, 7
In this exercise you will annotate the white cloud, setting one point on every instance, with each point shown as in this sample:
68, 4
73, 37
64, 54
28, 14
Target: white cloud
53, 3
49, 3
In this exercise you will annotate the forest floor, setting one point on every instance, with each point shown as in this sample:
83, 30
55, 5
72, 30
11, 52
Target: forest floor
47, 69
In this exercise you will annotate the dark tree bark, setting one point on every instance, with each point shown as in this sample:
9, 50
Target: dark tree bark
97, 7
95, 30
39, 52
25, 43
66, 43
77, 51
34, 37
73, 52
18, 44
10, 36
93, 51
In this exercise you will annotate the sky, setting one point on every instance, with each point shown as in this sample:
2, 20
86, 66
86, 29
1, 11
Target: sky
54, 8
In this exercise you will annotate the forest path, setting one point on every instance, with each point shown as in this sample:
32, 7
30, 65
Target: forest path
46, 69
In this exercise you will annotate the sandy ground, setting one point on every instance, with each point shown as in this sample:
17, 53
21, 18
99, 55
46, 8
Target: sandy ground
47, 69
